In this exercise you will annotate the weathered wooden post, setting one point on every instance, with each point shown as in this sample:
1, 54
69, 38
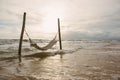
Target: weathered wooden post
21, 37
60, 42
59, 34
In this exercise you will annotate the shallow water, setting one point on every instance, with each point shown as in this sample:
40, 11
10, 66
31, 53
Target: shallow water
83, 60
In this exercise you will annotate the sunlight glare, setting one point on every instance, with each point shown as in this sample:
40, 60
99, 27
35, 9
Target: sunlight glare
52, 14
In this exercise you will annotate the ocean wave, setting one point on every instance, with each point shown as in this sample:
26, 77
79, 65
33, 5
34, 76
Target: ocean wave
45, 54
3, 52
8, 58
16, 77
8, 41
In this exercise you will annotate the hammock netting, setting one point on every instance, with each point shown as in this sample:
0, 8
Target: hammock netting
48, 46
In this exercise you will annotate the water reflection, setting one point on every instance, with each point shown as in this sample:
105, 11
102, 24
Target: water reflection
45, 68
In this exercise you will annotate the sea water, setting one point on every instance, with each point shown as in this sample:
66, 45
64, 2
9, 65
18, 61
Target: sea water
82, 60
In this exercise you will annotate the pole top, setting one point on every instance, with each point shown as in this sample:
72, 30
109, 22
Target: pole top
24, 12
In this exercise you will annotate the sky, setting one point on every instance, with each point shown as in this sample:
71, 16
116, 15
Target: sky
79, 19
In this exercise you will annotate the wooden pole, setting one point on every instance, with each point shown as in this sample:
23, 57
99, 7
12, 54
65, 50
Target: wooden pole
60, 43
21, 37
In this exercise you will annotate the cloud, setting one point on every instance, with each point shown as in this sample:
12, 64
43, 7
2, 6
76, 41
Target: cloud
104, 27
82, 19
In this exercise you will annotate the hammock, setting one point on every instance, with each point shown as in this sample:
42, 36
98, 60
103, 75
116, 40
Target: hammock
48, 46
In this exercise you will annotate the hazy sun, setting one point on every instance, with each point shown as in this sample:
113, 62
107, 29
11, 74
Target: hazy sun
53, 12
